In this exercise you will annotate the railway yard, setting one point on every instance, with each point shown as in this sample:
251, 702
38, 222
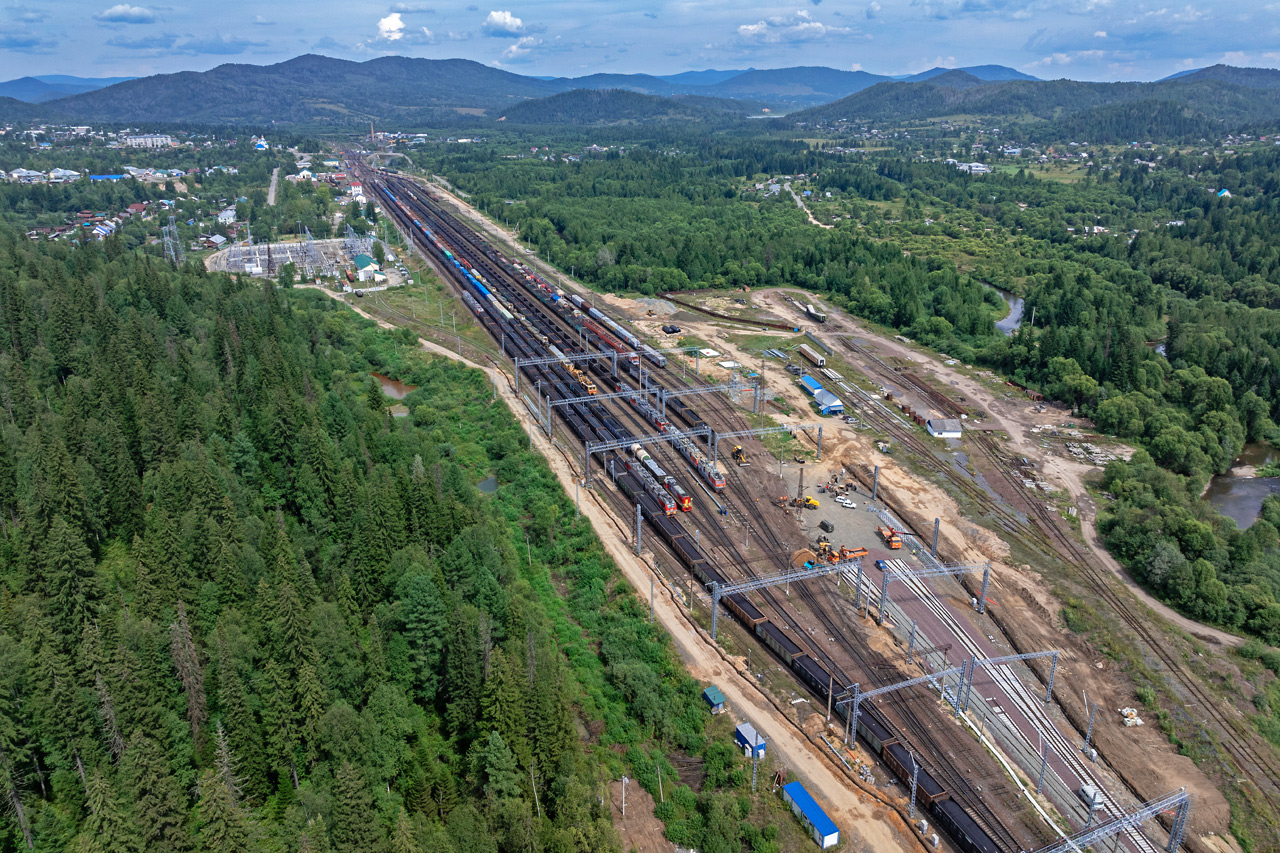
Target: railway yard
989, 721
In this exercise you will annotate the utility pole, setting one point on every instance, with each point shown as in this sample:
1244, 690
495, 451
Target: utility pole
651, 598
625, 780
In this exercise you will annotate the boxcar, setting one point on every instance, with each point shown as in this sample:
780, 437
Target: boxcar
813, 674
782, 645
928, 791
874, 731
748, 614
968, 836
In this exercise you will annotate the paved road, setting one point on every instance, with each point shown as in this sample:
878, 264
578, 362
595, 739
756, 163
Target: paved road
271, 191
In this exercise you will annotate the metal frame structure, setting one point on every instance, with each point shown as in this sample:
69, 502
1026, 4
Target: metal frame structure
943, 570
745, 433
612, 395
663, 393
355, 244
719, 591
1081, 840
590, 447
1053, 670
857, 695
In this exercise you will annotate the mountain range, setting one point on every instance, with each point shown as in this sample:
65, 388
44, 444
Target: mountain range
48, 87
1189, 104
313, 90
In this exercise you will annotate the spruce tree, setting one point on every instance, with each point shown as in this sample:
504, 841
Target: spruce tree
224, 827
425, 630
351, 809
159, 806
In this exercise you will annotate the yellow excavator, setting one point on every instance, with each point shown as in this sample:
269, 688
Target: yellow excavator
740, 456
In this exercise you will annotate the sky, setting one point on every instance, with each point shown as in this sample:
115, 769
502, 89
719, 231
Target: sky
1079, 39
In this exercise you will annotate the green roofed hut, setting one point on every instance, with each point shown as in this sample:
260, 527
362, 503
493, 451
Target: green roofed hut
714, 698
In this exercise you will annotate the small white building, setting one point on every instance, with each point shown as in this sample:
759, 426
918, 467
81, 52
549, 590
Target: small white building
943, 428
149, 140
227, 216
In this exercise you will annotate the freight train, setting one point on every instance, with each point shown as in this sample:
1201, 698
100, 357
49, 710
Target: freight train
872, 727
590, 421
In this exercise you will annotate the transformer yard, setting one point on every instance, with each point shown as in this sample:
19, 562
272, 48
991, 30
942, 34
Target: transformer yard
874, 636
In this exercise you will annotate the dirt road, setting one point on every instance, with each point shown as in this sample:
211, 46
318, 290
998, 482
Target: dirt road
800, 204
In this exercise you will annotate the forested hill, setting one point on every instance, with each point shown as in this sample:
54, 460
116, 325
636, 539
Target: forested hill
319, 90
307, 89
1220, 98
616, 106
243, 608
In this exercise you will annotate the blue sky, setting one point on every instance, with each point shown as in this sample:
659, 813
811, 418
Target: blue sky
1081, 39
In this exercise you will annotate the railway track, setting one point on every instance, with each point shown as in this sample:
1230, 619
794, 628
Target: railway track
944, 743
1247, 748
1040, 528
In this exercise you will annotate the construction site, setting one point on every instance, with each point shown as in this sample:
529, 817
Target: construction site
858, 586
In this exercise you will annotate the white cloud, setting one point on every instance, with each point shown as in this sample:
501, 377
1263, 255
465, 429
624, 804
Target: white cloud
873, 11
412, 8
27, 15
520, 48
1067, 58
857, 66
1100, 34
503, 25
799, 27
391, 28
123, 13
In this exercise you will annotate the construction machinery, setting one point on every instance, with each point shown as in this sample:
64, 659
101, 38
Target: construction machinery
740, 456
847, 553
892, 538
807, 502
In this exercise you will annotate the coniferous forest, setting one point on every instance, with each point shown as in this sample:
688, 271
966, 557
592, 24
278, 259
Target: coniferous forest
243, 607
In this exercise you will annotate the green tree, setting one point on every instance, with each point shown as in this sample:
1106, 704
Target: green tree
159, 807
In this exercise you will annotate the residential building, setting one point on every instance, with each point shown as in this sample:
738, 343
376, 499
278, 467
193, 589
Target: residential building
149, 140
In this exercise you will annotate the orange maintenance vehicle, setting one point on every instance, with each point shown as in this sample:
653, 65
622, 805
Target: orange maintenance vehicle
892, 538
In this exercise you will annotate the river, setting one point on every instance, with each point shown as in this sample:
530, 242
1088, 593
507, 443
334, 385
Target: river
1013, 320
1239, 495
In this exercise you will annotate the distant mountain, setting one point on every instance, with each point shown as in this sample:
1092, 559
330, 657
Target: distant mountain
986, 73
620, 106
47, 87
777, 86
802, 85
1249, 78
643, 83
710, 77
1187, 106
318, 90
308, 89
956, 79
11, 109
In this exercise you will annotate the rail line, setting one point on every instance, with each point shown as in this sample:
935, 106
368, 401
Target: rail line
1041, 528
943, 748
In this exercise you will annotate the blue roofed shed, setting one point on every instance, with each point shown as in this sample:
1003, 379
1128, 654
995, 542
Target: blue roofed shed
749, 740
822, 828
713, 697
